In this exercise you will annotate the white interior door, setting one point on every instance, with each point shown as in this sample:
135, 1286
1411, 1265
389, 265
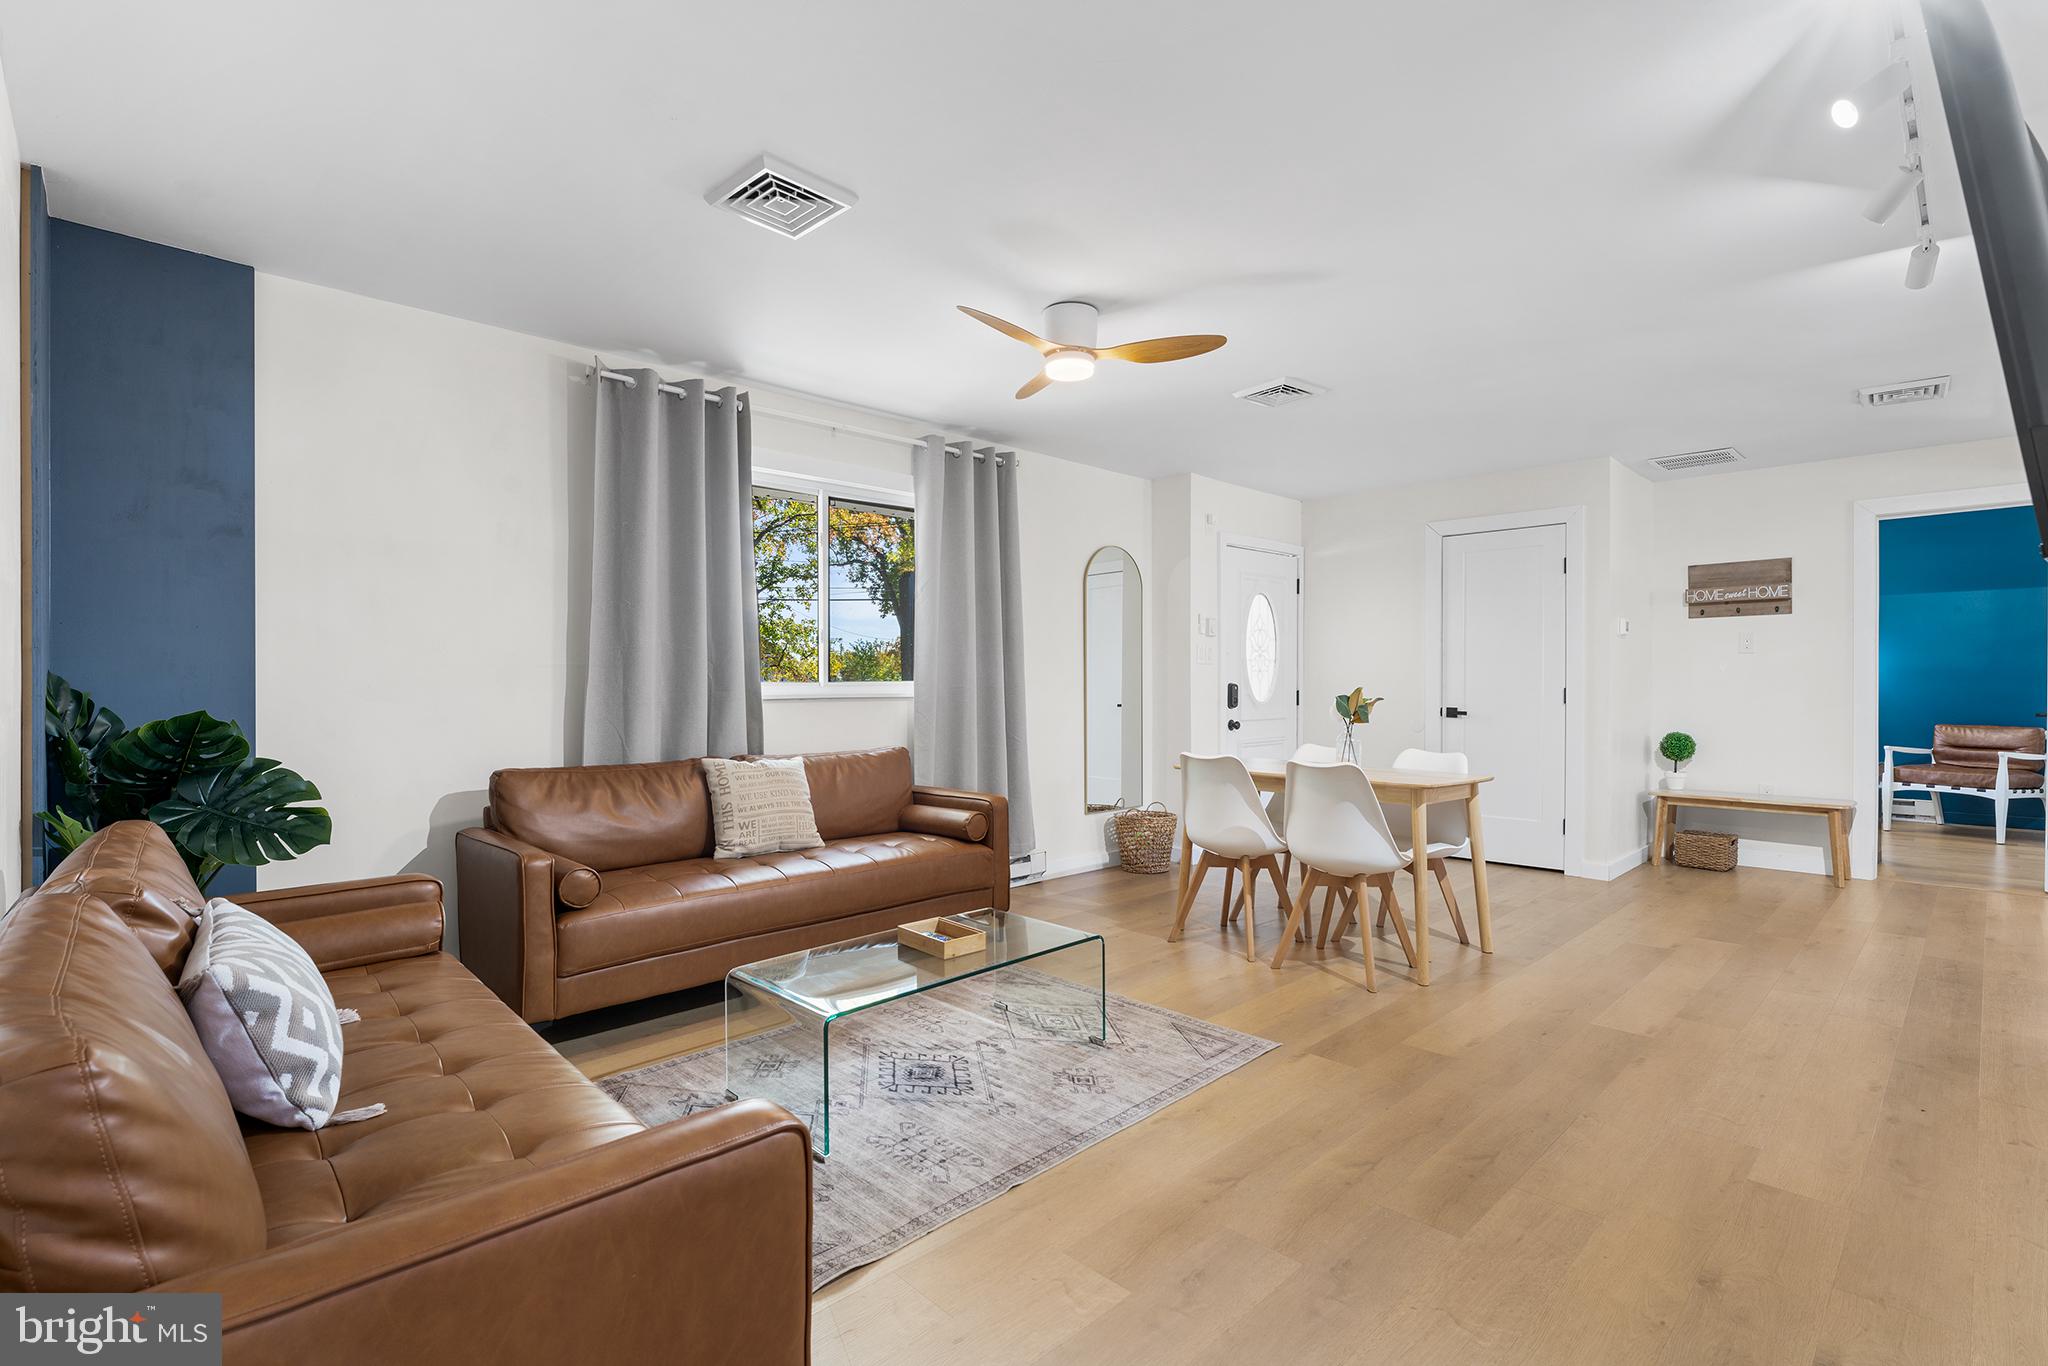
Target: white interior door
1105, 668
1503, 700
1260, 633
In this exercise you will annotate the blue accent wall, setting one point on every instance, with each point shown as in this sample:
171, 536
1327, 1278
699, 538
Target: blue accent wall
152, 515
1962, 633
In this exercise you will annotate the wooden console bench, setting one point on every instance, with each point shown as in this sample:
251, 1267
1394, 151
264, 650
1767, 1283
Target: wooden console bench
1836, 809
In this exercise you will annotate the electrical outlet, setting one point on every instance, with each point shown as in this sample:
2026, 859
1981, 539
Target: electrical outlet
1745, 642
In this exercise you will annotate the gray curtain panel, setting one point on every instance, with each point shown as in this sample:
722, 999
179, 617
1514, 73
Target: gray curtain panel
675, 661
968, 713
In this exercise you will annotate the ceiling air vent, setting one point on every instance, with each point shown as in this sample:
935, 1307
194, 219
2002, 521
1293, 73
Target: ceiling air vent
780, 198
1280, 392
1697, 460
1912, 391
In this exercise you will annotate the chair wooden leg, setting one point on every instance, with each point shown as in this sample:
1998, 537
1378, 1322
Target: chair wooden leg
1347, 909
1293, 930
1356, 891
1229, 905
1390, 909
1330, 902
1443, 882
1379, 923
1251, 921
1180, 916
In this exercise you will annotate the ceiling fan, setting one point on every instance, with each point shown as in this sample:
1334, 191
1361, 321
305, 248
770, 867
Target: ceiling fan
1069, 344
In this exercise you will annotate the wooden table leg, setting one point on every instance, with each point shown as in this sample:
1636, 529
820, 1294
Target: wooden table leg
1838, 848
1660, 815
1418, 827
1485, 903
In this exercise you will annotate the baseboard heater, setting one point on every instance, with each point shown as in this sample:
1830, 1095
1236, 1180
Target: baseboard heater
1027, 867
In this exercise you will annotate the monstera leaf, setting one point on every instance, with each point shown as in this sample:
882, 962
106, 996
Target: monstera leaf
67, 834
80, 730
247, 814
146, 765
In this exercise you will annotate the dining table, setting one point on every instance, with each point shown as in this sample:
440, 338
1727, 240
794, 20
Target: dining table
1417, 790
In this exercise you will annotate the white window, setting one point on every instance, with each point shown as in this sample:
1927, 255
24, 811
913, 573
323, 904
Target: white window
835, 575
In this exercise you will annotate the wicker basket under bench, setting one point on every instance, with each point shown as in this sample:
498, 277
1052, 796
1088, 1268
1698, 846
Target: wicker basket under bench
1708, 849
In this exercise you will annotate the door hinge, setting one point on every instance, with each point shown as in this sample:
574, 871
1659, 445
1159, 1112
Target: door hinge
1562, 826
1565, 696
1297, 586
1297, 697
1567, 564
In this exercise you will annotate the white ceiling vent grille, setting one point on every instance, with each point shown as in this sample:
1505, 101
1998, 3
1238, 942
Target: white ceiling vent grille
1689, 461
1280, 392
1912, 391
780, 198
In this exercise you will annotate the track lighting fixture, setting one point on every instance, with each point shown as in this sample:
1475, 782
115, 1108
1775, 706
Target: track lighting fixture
1920, 264
1894, 192
1887, 84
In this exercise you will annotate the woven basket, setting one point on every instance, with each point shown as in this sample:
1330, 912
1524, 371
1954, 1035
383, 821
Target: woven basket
1144, 838
1708, 849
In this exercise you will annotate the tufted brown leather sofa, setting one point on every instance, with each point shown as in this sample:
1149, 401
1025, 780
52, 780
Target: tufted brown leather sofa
502, 1209
590, 886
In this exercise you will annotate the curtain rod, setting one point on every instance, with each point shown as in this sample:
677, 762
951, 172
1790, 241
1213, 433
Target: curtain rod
893, 438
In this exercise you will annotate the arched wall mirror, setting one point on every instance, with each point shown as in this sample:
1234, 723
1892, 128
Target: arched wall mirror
1113, 680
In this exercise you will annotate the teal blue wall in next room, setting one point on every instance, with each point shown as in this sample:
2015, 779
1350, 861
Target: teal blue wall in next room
1962, 633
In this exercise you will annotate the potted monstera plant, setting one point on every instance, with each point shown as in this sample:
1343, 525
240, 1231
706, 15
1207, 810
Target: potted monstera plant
194, 775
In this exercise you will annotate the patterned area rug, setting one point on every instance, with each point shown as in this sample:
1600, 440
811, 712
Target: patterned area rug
946, 1100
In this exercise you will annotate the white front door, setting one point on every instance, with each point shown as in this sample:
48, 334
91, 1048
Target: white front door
1503, 700
1261, 621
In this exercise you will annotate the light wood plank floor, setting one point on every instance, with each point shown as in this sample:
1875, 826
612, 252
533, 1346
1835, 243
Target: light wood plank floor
1962, 856
1680, 1117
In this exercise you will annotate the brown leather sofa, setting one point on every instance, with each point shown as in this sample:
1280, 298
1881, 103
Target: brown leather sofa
591, 886
503, 1209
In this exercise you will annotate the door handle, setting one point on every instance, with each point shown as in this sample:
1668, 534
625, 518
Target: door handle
1235, 724
1455, 712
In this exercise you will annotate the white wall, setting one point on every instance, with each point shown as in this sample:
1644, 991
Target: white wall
1776, 719
422, 514
1780, 718
11, 813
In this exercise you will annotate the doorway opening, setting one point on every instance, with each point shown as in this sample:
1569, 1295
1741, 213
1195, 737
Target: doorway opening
1962, 676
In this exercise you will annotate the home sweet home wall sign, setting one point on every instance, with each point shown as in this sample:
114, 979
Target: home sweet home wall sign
1740, 588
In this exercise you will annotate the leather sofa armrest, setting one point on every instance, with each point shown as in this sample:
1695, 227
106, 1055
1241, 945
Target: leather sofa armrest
953, 822
348, 924
505, 910
997, 811
691, 1238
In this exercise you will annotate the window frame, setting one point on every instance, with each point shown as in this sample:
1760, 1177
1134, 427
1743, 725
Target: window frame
823, 492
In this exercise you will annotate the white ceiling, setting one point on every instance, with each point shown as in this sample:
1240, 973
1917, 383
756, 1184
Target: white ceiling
1503, 233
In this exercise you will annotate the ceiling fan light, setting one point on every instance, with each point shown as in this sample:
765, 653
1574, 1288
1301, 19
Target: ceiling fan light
1068, 366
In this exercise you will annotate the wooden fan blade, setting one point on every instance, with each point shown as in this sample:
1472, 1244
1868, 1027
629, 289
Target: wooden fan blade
1033, 385
1009, 330
1163, 348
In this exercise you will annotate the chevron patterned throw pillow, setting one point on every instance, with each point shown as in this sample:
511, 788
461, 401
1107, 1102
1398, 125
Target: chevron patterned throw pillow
266, 1018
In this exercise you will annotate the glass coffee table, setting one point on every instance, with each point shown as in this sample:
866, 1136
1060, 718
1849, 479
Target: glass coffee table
780, 1012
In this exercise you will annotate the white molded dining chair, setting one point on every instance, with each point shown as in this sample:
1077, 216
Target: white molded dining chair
1221, 814
1339, 834
1276, 808
1450, 830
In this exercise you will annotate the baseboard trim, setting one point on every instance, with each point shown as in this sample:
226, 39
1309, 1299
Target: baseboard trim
1078, 863
1615, 867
